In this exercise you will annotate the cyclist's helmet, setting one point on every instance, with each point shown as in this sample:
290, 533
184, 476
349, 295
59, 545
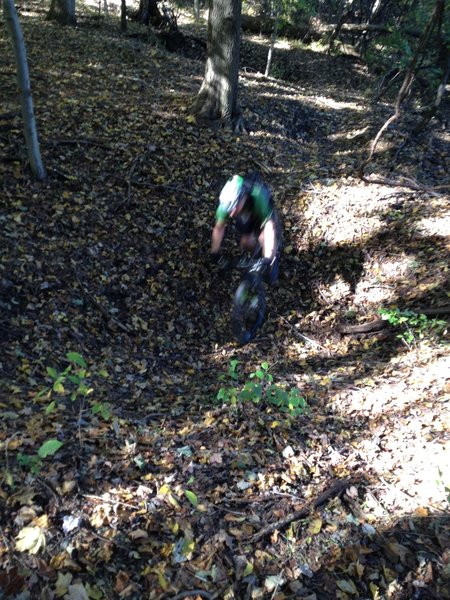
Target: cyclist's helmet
232, 193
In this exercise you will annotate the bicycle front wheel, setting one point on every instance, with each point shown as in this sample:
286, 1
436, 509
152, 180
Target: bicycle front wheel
249, 309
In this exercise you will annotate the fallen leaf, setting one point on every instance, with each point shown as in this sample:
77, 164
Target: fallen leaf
30, 539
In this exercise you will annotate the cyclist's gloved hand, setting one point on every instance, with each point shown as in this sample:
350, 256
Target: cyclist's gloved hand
261, 266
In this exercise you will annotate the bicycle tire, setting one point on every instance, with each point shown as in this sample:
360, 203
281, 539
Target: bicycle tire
249, 309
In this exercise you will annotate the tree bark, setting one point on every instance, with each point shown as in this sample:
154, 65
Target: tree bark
62, 11
123, 16
197, 10
23, 80
149, 13
216, 103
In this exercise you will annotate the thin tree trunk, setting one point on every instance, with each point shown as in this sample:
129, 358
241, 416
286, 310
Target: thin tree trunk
408, 80
23, 80
432, 110
273, 40
123, 16
340, 22
197, 10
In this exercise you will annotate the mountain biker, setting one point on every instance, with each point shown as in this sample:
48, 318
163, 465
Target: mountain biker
248, 201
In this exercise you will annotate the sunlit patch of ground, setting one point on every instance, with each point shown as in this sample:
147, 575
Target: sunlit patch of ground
408, 412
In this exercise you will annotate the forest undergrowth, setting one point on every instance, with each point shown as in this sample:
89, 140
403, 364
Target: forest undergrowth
123, 476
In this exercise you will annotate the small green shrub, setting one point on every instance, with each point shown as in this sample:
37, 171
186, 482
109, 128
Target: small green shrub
260, 388
34, 462
73, 383
413, 326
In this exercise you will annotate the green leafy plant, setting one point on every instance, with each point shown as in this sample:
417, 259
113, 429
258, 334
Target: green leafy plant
73, 382
260, 387
34, 462
413, 326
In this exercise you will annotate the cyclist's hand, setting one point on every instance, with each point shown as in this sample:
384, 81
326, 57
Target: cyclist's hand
261, 267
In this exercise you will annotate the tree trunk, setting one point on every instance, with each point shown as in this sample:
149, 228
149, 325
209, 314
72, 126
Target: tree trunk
216, 103
123, 16
149, 13
23, 80
197, 10
273, 40
62, 11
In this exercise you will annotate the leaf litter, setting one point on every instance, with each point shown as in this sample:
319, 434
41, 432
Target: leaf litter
175, 495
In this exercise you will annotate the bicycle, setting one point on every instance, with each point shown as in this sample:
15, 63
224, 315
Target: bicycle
249, 302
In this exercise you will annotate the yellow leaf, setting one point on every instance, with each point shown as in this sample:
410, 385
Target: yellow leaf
41, 522
163, 581
30, 539
190, 119
315, 526
359, 569
62, 584
374, 591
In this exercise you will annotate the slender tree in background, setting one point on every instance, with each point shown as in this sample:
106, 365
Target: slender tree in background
197, 10
273, 38
63, 11
23, 80
424, 42
217, 101
123, 16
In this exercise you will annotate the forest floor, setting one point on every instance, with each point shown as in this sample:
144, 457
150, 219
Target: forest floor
147, 486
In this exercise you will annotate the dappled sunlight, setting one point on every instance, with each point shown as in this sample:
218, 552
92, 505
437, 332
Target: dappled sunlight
434, 225
403, 394
385, 276
349, 134
331, 103
174, 488
354, 207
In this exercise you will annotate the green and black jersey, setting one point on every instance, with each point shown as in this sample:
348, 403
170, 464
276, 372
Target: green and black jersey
257, 210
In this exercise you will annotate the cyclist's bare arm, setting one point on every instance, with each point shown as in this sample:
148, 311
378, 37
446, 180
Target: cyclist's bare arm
217, 236
268, 239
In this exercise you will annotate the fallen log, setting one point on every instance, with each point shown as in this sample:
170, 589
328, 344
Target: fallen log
379, 324
265, 25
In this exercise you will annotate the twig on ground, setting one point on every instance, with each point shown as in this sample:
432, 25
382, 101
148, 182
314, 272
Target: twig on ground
335, 490
301, 335
405, 182
111, 501
6, 470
